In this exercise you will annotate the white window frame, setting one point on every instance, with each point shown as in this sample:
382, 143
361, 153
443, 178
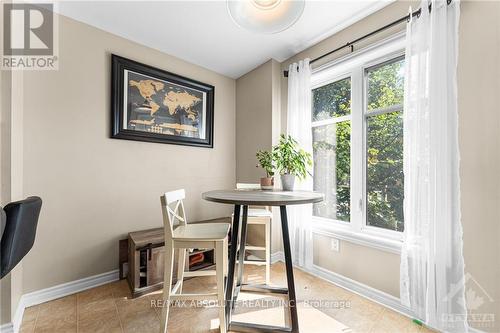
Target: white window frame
354, 66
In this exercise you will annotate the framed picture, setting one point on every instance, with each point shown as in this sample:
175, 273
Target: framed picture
150, 104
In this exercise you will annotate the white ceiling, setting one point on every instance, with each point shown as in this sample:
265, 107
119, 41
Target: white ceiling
202, 32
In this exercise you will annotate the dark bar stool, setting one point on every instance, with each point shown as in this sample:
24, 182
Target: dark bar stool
19, 234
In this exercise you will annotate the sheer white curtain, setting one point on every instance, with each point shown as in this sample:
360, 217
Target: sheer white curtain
299, 127
432, 264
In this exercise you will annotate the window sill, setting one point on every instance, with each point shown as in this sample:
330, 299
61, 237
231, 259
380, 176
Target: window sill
339, 231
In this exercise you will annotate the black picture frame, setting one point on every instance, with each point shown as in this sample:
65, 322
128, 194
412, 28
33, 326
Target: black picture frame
118, 67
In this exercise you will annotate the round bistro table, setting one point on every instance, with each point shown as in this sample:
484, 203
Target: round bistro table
246, 198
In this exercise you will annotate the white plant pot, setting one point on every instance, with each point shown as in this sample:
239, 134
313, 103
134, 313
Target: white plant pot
287, 182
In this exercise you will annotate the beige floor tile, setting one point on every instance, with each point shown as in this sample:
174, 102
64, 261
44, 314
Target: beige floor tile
29, 319
101, 321
110, 308
97, 308
359, 317
311, 320
356, 321
141, 322
393, 322
62, 309
57, 316
28, 326
53, 325
120, 289
364, 305
31, 313
95, 294
130, 307
156, 301
193, 320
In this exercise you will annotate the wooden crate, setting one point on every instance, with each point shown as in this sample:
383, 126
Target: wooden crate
146, 259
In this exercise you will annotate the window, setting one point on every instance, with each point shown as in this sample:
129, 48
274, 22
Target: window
384, 145
332, 148
357, 130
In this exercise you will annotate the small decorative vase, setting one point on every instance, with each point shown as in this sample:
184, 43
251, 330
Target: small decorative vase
267, 183
287, 182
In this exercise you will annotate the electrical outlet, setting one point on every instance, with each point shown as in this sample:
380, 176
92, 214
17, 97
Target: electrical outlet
335, 245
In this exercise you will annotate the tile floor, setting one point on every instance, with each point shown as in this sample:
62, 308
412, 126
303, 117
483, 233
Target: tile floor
110, 309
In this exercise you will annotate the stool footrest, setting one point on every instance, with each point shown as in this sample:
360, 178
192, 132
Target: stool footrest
263, 288
255, 248
193, 297
254, 328
199, 273
254, 262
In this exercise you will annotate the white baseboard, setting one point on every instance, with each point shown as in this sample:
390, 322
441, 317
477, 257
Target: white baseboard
277, 256
356, 287
52, 293
65, 289
7, 328
361, 289
371, 293
352, 285
475, 330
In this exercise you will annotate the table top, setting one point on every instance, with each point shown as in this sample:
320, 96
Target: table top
263, 197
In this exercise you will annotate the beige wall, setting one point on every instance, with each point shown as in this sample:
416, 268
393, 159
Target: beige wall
5, 84
478, 90
16, 174
5, 100
11, 175
96, 189
254, 98
341, 262
258, 112
479, 138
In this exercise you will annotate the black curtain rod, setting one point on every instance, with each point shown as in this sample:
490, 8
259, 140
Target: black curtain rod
385, 27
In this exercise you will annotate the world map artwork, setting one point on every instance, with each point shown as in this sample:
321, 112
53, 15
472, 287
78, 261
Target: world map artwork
162, 107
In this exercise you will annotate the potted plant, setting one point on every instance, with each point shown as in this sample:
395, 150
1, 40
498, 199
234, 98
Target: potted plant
291, 161
266, 162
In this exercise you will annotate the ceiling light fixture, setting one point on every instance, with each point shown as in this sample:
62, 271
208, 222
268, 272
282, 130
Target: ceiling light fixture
265, 16
266, 4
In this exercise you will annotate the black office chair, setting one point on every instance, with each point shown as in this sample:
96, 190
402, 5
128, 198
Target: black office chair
3, 218
19, 234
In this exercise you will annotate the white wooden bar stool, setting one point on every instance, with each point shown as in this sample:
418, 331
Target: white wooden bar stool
258, 215
183, 236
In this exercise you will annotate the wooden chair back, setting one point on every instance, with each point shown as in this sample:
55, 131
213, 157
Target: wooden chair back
174, 214
247, 186
250, 186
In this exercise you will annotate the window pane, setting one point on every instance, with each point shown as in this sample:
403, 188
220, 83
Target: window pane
385, 171
386, 85
332, 100
332, 162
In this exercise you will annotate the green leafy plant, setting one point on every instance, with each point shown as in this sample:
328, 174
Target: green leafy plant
266, 162
290, 158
